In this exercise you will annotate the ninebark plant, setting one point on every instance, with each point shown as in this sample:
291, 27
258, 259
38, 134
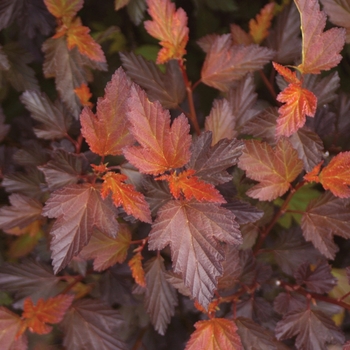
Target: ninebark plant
136, 224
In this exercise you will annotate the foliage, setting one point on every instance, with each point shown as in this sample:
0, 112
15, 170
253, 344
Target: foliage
174, 175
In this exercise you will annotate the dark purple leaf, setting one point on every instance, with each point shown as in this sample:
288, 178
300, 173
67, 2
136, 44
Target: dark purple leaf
288, 302
313, 330
90, 324
9, 10
210, 163
31, 154
231, 268
244, 211
177, 282
317, 278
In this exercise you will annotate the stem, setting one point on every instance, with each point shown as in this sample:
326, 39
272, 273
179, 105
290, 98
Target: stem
280, 212
77, 279
302, 291
268, 84
196, 84
75, 143
192, 115
344, 296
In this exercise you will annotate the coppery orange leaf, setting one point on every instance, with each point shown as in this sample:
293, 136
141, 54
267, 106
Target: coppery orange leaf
169, 26
133, 202
192, 187
320, 50
137, 270
299, 103
286, 73
49, 311
215, 334
335, 176
78, 35
259, 27
64, 8
84, 95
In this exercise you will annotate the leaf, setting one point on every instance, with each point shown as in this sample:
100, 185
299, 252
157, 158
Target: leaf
324, 217
263, 125
225, 63
259, 27
20, 75
339, 14
191, 187
299, 103
220, 121
242, 98
254, 336
284, 37
160, 296
312, 328
317, 278
22, 212
78, 209
118, 4
64, 169
169, 88
320, 50
31, 154
107, 131
9, 10
138, 273
29, 278
170, 26
70, 70
10, 324
244, 212
4, 62
335, 176
133, 202
107, 251
231, 268
84, 95
273, 168
53, 121
136, 10
217, 333
49, 311
78, 36
309, 147
291, 250
162, 147
95, 326
193, 230
64, 8
210, 163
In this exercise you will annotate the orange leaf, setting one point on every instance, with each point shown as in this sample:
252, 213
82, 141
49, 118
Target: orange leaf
259, 27
299, 103
137, 270
313, 174
320, 50
105, 250
133, 202
169, 26
273, 168
162, 147
192, 187
49, 311
286, 73
78, 35
335, 176
84, 95
64, 8
215, 334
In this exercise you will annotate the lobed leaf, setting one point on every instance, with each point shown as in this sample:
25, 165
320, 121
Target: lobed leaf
226, 63
193, 230
78, 209
50, 311
170, 26
95, 326
320, 50
107, 131
160, 296
22, 212
105, 250
138, 273
133, 202
312, 328
216, 333
273, 168
259, 27
64, 8
162, 147
324, 217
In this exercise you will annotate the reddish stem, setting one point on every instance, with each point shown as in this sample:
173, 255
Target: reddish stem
268, 84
